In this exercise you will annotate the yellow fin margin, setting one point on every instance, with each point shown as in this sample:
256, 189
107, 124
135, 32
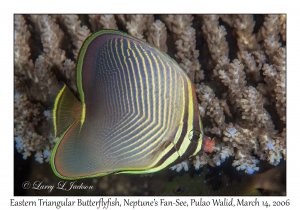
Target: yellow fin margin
67, 110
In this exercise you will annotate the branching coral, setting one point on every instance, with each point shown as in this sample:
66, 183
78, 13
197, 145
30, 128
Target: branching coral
237, 63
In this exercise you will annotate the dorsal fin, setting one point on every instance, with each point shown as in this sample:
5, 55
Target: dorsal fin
67, 110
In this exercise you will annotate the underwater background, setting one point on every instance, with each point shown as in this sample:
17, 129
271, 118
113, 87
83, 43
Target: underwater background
236, 62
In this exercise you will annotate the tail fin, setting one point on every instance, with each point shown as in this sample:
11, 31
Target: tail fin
273, 179
67, 110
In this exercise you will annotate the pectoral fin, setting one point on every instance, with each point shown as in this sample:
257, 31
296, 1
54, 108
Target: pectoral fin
67, 110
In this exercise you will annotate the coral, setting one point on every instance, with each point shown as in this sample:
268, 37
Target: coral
158, 36
237, 63
214, 34
185, 41
184, 164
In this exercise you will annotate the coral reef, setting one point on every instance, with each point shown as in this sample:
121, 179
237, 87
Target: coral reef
237, 63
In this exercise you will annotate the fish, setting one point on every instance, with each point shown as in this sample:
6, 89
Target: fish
226, 181
137, 111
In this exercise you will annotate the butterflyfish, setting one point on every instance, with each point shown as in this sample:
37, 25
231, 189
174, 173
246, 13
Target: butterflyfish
137, 111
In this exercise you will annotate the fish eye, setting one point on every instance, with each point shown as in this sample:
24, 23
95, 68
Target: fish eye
178, 190
194, 135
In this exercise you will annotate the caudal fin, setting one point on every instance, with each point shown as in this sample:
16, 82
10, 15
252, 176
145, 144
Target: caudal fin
67, 110
273, 179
